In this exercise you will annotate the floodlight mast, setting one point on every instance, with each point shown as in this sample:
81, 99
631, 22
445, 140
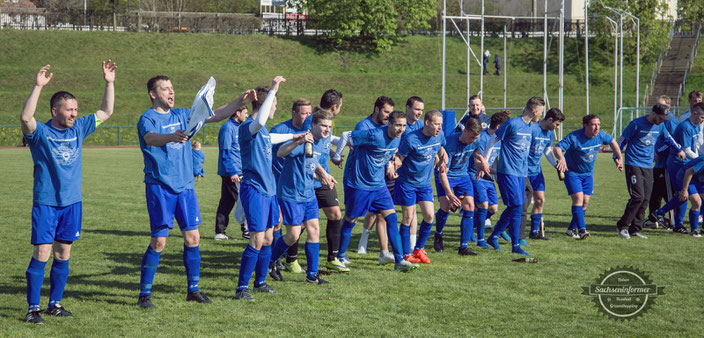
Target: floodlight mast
586, 52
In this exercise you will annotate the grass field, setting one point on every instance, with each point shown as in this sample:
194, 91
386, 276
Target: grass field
240, 62
487, 295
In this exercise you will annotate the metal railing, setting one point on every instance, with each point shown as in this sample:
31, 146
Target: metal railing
692, 55
632, 113
658, 64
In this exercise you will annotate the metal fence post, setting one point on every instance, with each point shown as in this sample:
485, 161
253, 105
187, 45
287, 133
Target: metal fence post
118, 136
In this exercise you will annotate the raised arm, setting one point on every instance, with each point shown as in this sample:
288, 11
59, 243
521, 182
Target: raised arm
106, 108
29, 124
224, 112
265, 112
287, 148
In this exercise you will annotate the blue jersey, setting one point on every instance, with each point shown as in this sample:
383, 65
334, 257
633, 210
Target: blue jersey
286, 127
413, 127
515, 135
229, 161
297, 184
580, 152
482, 142
256, 159
639, 138
170, 165
198, 159
373, 149
324, 157
686, 134
542, 138
419, 153
459, 156
57, 161
697, 165
662, 149
484, 119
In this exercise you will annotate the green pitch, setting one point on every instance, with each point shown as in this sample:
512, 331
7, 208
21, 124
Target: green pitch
486, 295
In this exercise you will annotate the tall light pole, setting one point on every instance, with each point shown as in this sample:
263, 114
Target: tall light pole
85, 10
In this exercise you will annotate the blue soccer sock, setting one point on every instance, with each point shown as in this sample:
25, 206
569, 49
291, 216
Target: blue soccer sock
578, 217
312, 258
262, 267
672, 204
479, 220
502, 224
440, 220
35, 278
515, 223
423, 233
535, 222
345, 237
694, 219
191, 260
247, 264
58, 278
406, 239
394, 236
278, 249
680, 212
466, 227
150, 261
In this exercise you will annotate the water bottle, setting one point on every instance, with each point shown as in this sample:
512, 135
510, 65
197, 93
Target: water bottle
526, 260
308, 149
561, 175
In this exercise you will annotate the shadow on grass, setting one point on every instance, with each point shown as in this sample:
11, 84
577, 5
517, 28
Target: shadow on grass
128, 233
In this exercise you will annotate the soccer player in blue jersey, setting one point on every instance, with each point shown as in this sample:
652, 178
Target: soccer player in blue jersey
476, 110
365, 190
486, 199
258, 190
230, 171
300, 112
417, 153
383, 106
296, 193
198, 158
637, 143
454, 187
693, 98
691, 177
543, 135
687, 136
515, 136
580, 149
168, 176
56, 148
662, 186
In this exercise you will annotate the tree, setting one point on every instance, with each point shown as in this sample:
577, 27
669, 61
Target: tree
371, 24
690, 12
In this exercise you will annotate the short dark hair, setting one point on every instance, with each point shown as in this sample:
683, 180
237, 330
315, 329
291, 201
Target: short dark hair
473, 125
298, 103
395, 115
431, 113
59, 97
151, 84
321, 114
262, 92
330, 98
533, 103
588, 118
698, 108
555, 114
382, 100
474, 97
413, 99
499, 118
695, 94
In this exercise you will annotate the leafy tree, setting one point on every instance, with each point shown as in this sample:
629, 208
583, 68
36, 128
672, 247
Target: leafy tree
370, 24
690, 12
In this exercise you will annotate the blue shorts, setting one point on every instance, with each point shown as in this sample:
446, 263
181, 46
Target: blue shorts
295, 213
511, 188
262, 212
583, 184
358, 202
485, 191
406, 195
163, 205
460, 186
56, 223
694, 186
537, 182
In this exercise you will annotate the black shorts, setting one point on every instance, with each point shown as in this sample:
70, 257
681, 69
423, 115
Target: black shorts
327, 198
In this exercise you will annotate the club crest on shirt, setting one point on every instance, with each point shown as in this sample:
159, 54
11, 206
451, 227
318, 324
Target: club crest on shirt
63, 151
